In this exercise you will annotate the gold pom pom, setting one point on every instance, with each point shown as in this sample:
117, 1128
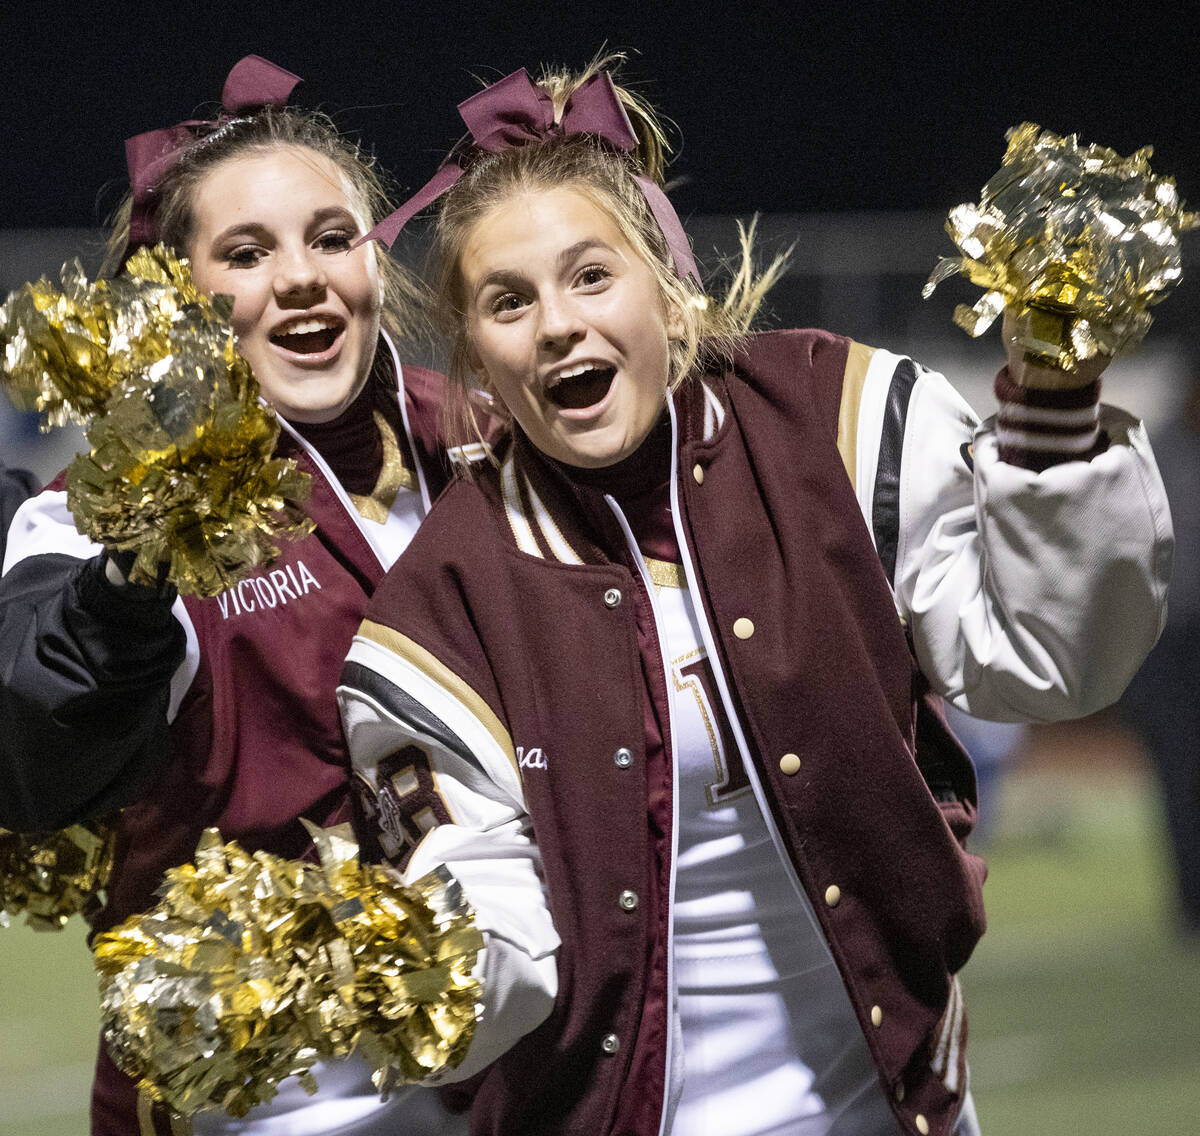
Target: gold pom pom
180, 469
1079, 241
48, 877
251, 968
55, 344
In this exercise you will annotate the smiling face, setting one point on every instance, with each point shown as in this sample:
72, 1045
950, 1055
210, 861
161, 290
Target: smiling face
273, 229
567, 325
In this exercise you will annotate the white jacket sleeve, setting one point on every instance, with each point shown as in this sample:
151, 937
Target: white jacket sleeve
440, 780
1028, 595
44, 526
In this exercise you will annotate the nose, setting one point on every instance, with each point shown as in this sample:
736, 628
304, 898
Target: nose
559, 324
299, 277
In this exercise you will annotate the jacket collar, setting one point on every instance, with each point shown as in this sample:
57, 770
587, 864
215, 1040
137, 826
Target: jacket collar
556, 517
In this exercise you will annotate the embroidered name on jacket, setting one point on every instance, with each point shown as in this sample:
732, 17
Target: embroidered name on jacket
270, 590
531, 758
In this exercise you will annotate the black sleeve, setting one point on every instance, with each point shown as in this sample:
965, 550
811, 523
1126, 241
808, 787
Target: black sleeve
16, 486
85, 676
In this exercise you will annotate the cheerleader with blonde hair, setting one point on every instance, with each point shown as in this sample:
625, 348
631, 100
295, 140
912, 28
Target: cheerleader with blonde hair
661, 687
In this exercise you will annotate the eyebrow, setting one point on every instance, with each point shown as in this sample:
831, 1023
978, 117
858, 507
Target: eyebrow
257, 228
569, 254
510, 278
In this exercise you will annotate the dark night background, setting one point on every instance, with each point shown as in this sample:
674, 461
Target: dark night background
793, 107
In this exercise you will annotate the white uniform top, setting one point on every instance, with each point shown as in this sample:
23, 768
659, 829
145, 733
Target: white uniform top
770, 1041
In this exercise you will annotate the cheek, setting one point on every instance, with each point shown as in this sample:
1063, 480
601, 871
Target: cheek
204, 275
247, 306
366, 284
488, 349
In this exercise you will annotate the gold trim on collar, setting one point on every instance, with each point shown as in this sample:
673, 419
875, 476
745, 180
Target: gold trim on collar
665, 574
393, 477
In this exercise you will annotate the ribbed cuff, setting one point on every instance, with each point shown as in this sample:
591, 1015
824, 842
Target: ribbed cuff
1037, 428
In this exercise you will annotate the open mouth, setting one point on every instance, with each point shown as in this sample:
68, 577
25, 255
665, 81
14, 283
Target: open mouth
311, 335
579, 387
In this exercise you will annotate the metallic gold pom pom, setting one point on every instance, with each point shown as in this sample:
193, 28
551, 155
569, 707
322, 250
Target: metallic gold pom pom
180, 469
251, 968
55, 343
1079, 241
48, 877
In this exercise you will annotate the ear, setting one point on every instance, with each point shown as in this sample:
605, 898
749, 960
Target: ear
676, 326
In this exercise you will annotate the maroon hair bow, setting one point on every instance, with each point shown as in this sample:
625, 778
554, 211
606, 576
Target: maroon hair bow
514, 111
253, 82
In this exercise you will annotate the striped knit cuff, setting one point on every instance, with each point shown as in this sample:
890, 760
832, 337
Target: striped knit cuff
1038, 428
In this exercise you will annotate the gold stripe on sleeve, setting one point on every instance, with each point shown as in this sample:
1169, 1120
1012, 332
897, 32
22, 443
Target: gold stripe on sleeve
853, 381
416, 656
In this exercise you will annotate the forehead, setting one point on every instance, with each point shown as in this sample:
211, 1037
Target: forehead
538, 223
271, 185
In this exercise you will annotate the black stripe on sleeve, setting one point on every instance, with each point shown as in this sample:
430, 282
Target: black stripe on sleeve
885, 509
406, 710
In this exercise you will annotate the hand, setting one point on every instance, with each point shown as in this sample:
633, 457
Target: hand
1044, 376
118, 566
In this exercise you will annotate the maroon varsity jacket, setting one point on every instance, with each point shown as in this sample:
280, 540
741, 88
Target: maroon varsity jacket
874, 823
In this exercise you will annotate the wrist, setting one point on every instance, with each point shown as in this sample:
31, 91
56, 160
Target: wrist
114, 572
1033, 375
1039, 427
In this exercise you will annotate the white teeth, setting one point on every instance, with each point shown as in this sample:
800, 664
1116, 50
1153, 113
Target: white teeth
307, 326
572, 372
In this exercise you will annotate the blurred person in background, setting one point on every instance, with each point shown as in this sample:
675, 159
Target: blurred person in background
994, 748
1162, 703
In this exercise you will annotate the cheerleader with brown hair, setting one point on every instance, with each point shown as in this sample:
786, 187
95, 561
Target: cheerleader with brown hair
189, 712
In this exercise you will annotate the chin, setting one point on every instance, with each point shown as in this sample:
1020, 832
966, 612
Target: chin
314, 406
592, 460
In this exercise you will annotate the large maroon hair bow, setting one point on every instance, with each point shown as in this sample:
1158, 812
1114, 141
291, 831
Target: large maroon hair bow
252, 83
514, 111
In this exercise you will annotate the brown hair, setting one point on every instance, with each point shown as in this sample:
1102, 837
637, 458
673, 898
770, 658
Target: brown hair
266, 129
607, 177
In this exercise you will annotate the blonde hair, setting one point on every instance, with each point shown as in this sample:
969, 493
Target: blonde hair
711, 328
272, 128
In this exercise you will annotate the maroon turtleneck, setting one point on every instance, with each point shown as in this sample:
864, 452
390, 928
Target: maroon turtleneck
641, 485
351, 444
